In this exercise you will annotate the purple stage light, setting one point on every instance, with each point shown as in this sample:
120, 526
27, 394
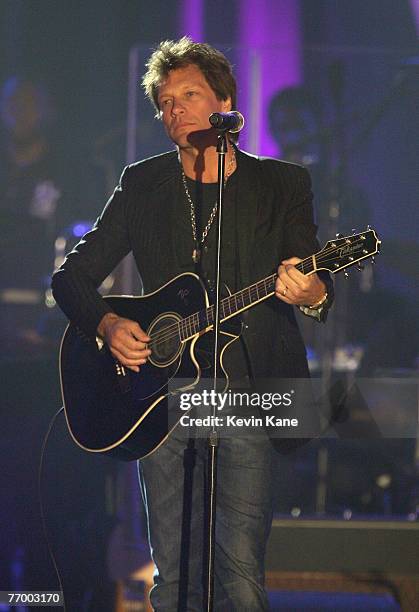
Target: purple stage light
414, 4
269, 60
191, 19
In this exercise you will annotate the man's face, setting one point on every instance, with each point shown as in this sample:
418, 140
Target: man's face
186, 101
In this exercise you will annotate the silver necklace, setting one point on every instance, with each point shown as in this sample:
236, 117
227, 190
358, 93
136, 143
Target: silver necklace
196, 253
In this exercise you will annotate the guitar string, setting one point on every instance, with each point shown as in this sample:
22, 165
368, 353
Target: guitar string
174, 330
207, 313
191, 320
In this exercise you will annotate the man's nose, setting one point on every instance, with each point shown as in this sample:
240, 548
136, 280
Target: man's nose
177, 107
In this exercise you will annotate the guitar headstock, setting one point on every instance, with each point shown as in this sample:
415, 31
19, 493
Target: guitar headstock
346, 251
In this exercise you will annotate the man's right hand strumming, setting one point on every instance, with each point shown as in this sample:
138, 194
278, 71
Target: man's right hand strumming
126, 340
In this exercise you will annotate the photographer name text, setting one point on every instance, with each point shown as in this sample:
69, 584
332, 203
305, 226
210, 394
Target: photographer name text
236, 421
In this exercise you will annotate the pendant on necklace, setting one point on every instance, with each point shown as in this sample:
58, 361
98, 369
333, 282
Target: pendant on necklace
196, 255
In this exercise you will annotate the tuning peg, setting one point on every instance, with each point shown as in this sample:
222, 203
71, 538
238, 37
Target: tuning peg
360, 266
353, 231
346, 275
373, 260
368, 226
339, 235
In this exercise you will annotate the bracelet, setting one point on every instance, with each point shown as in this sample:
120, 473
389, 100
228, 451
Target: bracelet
319, 303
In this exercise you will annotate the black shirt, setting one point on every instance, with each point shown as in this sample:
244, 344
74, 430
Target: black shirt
204, 196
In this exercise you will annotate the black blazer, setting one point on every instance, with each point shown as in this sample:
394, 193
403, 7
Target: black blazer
275, 222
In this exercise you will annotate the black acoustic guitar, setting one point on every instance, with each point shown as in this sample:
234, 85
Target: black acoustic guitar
113, 410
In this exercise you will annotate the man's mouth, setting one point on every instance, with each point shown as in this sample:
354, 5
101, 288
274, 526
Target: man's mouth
183, 124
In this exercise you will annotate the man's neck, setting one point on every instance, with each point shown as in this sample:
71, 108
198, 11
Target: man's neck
202, 165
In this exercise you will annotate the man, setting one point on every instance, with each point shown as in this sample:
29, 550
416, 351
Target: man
163, 210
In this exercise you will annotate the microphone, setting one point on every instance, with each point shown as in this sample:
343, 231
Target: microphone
229, 122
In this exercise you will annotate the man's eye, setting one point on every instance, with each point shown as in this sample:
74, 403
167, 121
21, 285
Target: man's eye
165, 102
190, 93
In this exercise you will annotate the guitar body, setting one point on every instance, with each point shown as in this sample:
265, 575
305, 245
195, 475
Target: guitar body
113, 410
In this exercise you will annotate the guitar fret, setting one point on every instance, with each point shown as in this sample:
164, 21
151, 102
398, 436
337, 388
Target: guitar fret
225, 308
191, 325
231, 305
182, 327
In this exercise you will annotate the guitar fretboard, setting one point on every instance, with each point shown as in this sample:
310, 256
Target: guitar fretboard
238, 302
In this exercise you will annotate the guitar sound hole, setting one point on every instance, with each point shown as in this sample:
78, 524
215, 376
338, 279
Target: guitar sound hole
165, 342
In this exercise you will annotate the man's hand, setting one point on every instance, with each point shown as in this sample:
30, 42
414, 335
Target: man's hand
293, 287
126, 340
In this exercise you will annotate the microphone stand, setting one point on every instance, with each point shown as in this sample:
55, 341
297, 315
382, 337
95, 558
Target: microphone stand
222, 148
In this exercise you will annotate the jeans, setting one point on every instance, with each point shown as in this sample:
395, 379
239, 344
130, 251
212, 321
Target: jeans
173, 484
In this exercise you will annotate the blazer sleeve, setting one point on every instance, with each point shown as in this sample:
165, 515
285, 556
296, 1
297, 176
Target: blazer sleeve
75, 283
301, 234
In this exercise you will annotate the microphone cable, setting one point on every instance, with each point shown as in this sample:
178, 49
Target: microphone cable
41, 504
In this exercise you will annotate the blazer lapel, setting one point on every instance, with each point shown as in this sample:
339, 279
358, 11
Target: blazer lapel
248, 192
162, 208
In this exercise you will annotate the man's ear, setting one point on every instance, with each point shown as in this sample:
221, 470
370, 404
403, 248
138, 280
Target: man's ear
226, 105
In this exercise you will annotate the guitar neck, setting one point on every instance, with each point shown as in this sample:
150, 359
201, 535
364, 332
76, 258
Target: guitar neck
238, 302
336, 255
259, 291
